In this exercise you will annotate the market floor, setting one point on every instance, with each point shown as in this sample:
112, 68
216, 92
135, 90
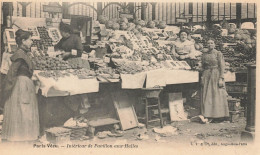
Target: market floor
185, 134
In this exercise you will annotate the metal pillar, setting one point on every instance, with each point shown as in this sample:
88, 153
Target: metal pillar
249, 132
238, 14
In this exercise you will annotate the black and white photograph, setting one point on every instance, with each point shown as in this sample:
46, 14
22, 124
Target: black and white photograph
128, 76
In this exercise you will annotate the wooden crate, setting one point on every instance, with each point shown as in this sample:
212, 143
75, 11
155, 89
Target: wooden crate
58, 135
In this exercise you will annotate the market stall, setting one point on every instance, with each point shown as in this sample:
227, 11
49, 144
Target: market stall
122, 57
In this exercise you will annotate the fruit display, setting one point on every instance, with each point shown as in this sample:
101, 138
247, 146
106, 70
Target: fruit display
83, 73
102, 19
78, 63
161, 25
152, 66
115, 26
53, 74
151, 24
228, 52
107, 72
228, 39
49, 63
45, 38
127, 67
244, 55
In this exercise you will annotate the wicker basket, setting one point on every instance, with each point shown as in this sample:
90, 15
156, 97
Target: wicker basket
58, 135
234, 116
234, 104
77, 132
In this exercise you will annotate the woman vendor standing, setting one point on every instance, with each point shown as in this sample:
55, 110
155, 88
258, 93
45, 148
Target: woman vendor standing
184, 49
70, 43
214, 98
21, 117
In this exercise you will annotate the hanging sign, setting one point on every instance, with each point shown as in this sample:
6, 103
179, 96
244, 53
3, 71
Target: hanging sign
182, 20
52, 9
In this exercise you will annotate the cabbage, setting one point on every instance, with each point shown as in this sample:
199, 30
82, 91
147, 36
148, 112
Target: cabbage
102, 19
116, 26
161, 25
109, 24
151, 24
123, 26
156, 22
123, 20
142, 23
131, 26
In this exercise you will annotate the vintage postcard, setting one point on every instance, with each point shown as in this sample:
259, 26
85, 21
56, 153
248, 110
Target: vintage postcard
128, 77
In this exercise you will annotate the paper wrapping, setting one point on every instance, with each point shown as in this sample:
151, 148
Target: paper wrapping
133, 81
70, 84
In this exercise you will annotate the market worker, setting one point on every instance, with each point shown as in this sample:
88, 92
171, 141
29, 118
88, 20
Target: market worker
184, 49
21, 116
70, 43
214, 95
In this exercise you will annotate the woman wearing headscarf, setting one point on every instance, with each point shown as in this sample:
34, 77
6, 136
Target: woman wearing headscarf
21, 117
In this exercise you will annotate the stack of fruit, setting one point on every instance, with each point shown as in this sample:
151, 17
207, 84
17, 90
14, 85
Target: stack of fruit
228, 53
107, 72
84, 73
46, 41
228, 39
53, 74
152, 66
78, 63
128, 67
49, 63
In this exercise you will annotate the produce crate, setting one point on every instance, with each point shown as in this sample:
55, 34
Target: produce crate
77, 132
58, 135
241, 88
234, 104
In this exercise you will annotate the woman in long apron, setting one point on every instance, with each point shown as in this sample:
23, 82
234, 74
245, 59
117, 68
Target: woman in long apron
21, 117
214, 98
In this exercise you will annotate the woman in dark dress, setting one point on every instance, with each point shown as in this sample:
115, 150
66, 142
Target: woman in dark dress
70, 43
214, 98
21, 117
73, 48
